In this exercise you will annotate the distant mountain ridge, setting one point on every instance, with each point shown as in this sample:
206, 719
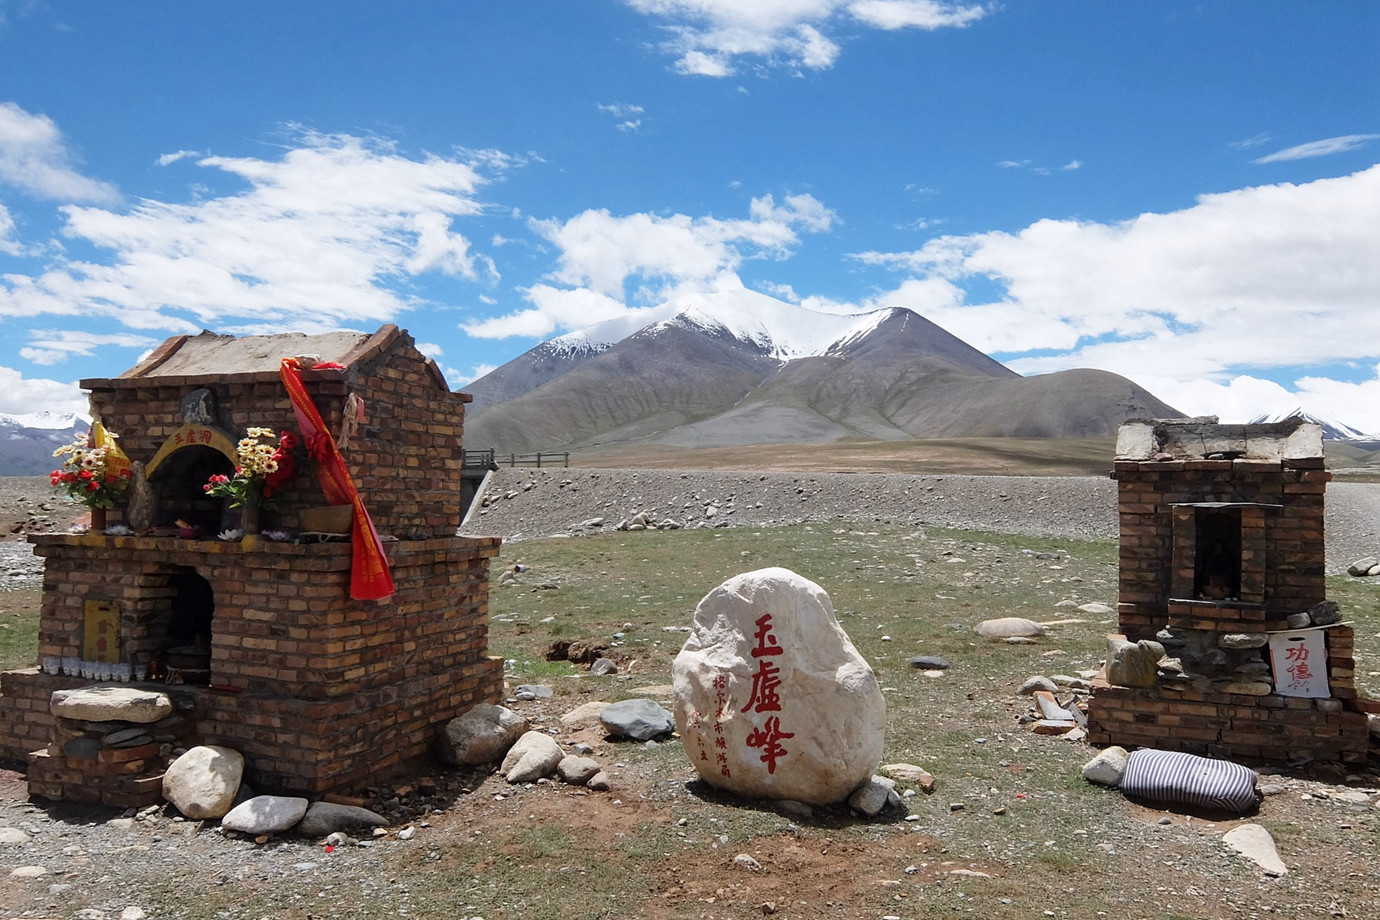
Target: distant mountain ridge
27, 441
737, 367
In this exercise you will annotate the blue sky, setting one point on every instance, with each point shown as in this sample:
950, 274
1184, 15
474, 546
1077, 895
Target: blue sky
1187, 194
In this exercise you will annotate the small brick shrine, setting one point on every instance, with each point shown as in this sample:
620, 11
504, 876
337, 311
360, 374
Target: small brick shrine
320, 692
1221, 544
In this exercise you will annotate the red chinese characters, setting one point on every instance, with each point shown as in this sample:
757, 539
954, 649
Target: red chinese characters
1297, 667
765, 695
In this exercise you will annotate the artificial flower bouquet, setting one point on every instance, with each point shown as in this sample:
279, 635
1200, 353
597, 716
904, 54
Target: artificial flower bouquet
261, 469
94, 471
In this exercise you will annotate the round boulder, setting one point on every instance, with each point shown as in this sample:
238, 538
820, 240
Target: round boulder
533, 756
202, 782
771, 698
482, 735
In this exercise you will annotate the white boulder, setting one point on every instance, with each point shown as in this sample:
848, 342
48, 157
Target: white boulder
1106, 768
771, 699
481, 735
533, 756
202, 782
1009, 628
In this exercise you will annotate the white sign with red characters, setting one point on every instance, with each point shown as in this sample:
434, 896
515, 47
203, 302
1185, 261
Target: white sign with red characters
1299, 661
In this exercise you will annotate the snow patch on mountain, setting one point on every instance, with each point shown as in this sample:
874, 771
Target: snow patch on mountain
1332, 430
783, 330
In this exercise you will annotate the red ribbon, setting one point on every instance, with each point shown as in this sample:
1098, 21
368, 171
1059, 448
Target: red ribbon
370, 577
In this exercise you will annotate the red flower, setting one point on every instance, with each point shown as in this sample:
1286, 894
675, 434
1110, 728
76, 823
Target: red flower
55, 477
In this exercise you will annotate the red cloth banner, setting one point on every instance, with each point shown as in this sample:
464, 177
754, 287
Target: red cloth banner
370, 577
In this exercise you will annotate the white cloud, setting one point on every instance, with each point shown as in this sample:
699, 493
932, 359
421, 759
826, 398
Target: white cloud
20, 395
914, 14
553, 309
610, 266
1244, 397
35, 159
621, 109
1277, 277
325, 236
1321, 148
709, 35
53, 346
168, 159
1250, 142
603, 252
1072, 165
8, 245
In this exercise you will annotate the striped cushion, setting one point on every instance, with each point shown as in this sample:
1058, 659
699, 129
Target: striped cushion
1167, 776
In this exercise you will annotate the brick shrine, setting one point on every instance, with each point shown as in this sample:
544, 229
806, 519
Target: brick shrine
320, 692
1222, 536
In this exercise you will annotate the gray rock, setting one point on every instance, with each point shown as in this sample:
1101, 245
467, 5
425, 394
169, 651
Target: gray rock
482, 735
872, 796
1361, 567
324, 818
599, 782
1133, 664
81, 749
1095, 608
603, 667
266, 814
929, 663
1325, 613
533, 692
1250, 687
1243, 640
111, 704
123, 735
640, 720
577, 770
12, 836
533, 756
1298, 620
1031, 684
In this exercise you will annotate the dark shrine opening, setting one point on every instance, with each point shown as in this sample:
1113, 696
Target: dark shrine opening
180, 483
189, 626
1217, 555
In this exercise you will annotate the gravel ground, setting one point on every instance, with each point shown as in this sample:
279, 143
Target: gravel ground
520, 504
73, 861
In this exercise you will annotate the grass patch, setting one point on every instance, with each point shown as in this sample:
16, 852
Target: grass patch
19, 628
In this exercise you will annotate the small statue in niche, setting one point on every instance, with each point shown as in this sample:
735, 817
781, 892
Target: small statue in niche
139, 514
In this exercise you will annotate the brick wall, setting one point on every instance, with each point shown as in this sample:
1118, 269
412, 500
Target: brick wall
1282, 572
1282, 547
405, 459
319, 692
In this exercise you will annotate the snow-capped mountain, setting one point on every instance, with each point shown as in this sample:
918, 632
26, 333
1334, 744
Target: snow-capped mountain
27, 441
738, 367
1332, 430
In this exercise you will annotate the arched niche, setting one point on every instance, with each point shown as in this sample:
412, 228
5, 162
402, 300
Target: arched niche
179, 472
